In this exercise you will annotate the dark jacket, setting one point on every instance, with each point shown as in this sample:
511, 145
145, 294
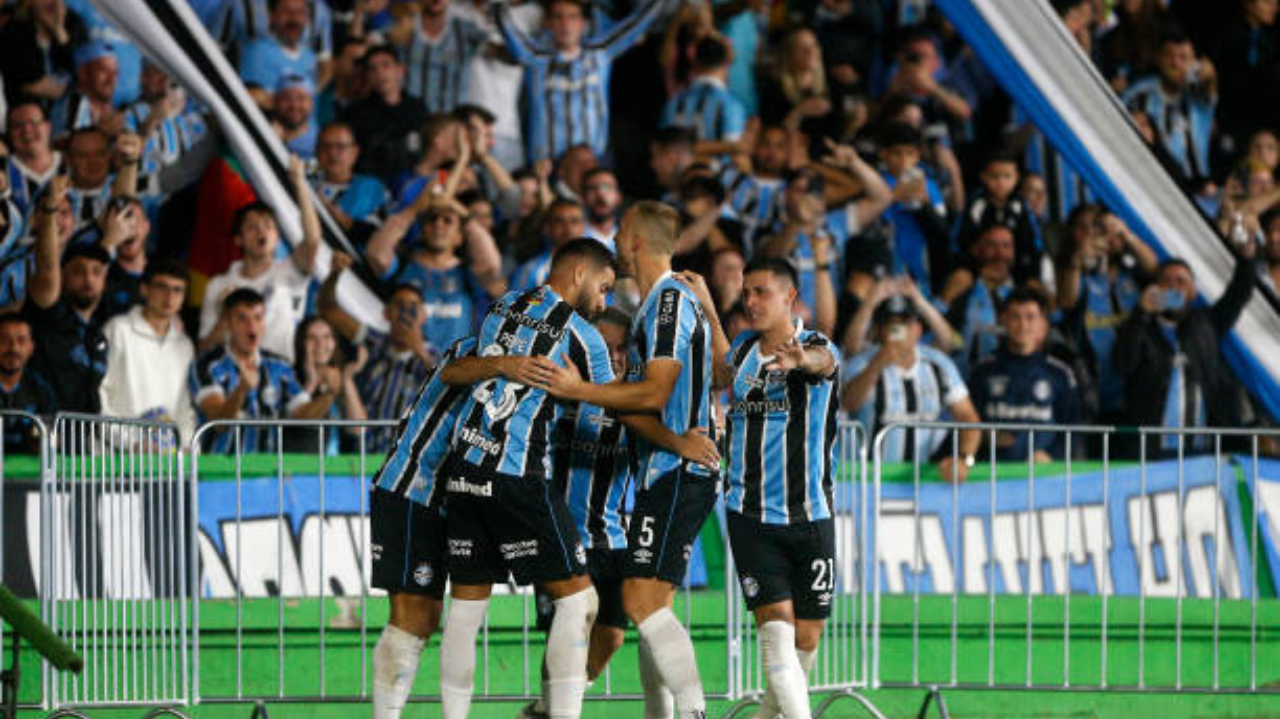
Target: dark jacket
1145, 357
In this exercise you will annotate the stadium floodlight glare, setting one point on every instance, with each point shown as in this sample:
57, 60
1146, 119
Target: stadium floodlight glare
28, 626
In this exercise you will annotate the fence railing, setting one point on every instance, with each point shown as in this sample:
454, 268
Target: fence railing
17, 423
1102, 574
247, 577
115, 578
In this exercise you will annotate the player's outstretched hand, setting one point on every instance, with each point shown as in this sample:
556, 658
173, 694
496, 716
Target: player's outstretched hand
696, 445
565, 382
530, 371
787, 357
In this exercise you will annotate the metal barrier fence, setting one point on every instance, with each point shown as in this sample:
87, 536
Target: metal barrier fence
175, 595
38, 434
1047, 609
114, 578
280, 604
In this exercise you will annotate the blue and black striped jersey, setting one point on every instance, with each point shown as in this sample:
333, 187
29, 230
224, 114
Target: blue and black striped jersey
567, 98
591, 464
425, 434
782, 431
436, 70
505, 426
709, 109
277, 395
671, 326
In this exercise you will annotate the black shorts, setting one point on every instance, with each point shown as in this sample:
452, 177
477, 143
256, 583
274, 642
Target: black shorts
777, 562
408, 542
664, 524
605, 568
500, 523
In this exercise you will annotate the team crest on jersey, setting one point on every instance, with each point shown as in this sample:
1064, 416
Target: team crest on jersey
270, 394
580, 553
750, 587
423, 574
1042, 390
998, 385
688, 551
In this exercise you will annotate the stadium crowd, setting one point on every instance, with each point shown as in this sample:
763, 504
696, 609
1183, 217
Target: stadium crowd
960, 264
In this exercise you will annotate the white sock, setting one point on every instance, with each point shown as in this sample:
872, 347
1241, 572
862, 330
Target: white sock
782, 669
395, 666
567, 647
658, 702
807, 660
673, 656
458, 672
769, 703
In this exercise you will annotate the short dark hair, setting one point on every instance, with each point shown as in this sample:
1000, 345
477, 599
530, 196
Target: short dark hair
581, 4
1174, 34
167, 268
23, 102
242, 214
433, 125
895, 134
405, 287
702, 186
464, 113
668, 137
586, 176
817, 185
89, 130
1023, 294
1175, 262
380, 49
1002, 156
1062, 7
776, 266
339, 125
14, 318
593, 251
710, 53
242, 296
613, 316
560, 202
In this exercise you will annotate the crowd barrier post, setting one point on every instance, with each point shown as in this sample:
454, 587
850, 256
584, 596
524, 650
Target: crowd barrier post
115, 578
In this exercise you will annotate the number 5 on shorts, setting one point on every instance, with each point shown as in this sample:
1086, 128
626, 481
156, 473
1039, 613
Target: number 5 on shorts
646, 532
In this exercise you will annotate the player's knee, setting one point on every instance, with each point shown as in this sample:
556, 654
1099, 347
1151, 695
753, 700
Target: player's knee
808, 635
776, 612
415, 614
639, 600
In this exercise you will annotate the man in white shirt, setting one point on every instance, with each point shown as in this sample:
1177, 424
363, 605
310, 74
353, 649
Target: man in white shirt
149, 355
283, 282
494, 79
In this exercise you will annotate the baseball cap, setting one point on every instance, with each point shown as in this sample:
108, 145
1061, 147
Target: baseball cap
895, 307
92, 50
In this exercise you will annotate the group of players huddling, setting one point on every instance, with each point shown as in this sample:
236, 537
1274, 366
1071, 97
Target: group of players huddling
516, 455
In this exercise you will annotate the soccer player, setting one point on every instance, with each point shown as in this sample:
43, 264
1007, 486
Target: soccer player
408, 529
591, 468
503, 515
670, 365
782, 428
